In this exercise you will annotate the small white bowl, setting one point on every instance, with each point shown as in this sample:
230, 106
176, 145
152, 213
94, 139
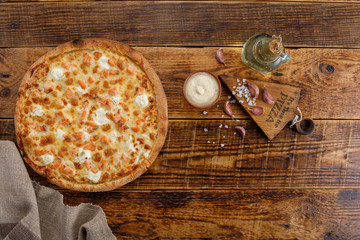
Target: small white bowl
210, 103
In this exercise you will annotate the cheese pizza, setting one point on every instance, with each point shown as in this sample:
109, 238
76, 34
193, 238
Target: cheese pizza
91, 115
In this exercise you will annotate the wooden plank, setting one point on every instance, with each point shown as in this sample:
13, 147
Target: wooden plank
333, 1
327, 158
249, 214
329, 78
180, 23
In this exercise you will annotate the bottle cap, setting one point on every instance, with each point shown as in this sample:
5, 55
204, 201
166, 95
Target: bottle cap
276, 46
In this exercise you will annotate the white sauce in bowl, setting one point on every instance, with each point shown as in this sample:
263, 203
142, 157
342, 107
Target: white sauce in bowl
201, 89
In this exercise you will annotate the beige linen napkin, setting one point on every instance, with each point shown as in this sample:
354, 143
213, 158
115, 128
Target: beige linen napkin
32, 212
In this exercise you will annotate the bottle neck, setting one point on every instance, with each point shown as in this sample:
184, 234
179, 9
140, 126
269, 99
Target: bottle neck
269, 49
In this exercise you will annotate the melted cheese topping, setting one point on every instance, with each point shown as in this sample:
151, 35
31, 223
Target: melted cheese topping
104, 63
83, 155
57, 73
37, 111
116, 100
47, 158
59, 134
94, 177
92, 117
142, 101
100, 117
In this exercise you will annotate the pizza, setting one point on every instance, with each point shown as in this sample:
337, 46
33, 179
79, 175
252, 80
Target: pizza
91, 115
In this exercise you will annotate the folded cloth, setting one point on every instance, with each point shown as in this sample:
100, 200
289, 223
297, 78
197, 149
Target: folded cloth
32, 212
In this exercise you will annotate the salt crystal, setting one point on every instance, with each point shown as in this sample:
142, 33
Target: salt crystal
206, 130
229, 97
233, 92
213, 142
223, 136
226, 126
217, 105
233, 101
234, 87
244, 80
220, 126
237, 120
234, 133
208, 141
204, 112
237, 80
241, 101
222, 116
222, 145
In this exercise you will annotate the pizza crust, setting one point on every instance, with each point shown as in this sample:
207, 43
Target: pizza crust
161, 101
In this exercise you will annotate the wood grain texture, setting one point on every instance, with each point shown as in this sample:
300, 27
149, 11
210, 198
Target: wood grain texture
329, 78
327, 158
249, 214
332, 1
180, 23
294, 187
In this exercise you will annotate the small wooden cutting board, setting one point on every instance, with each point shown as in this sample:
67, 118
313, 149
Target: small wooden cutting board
275, 116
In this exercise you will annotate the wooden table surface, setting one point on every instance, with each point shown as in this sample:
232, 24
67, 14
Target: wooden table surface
293, 187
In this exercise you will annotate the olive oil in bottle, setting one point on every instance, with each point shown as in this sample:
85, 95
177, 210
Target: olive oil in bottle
264, 53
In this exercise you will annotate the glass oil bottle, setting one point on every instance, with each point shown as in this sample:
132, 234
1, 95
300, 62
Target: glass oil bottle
264, 53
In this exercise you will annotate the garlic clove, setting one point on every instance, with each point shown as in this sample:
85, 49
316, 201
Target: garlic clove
257, 111
268, 98
242, 132
254, 90
228, 109
220, 56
